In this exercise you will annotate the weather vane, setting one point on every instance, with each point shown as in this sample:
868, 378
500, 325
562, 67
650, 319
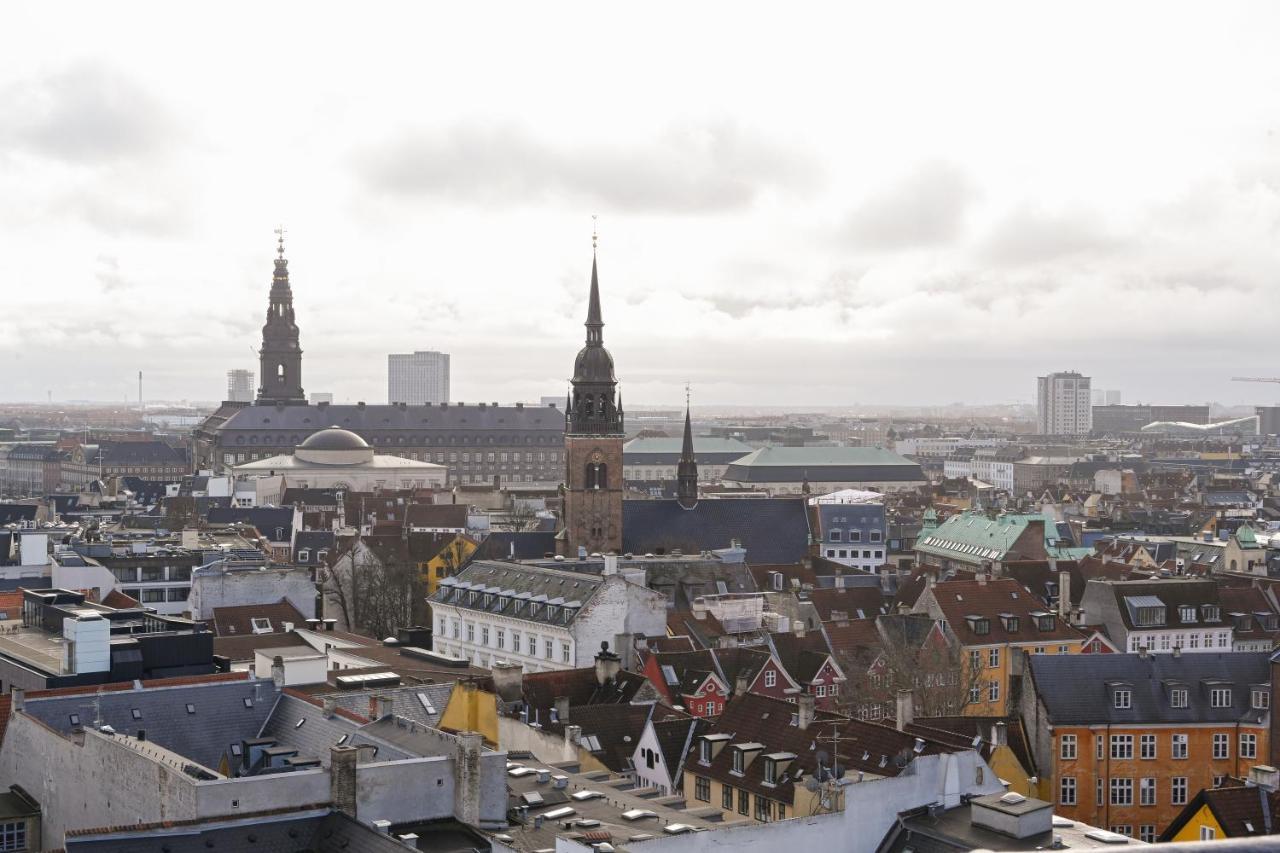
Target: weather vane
686, 394
280, 239
594, 235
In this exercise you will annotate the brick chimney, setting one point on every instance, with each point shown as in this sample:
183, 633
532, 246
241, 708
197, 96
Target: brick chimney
607, 664
342, 778
508, 680
804, 710
906, 710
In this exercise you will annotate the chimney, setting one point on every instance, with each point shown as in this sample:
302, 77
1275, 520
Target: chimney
17, 700
508, 680
1264, 776
467, 793
607, 664
1064, 596
562, 709
906, 709
342, 778
610, 565
741, 684
804, 710
1177, 651
330, 705
572, 734
624, 645
931, 579
277, 671
999, 734
797, 627
379, 707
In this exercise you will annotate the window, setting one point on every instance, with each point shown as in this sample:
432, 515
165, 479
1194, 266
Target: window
975, 695
564, 652
726, 797
1122, 746
484, 635
549, 648
1121, 792
1221, 746
1259, 699
1100, 792
875, 536
1208, 833
471, 632
835, 535
993, 658
136, 713
770, 678
764, 810
855, 535
993, 691
1220, 697
975, 660
1067, 791
1122, 698
1147, 746
1067, 747
533, 645
702, 789
1248, 746
1147, 791
13, 836
704, 751
1099, 747
739, 761
1147, 833
1122, 829
1178, 795
744, 801
1187, 613
515, 641
1179, 746
1178, 697
770, 771
191, 709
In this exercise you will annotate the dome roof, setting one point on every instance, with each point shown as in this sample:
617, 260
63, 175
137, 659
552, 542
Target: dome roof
593, 364
333, 438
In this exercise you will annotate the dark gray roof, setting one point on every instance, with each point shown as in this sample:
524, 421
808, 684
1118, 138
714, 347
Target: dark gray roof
313, 542
514, 588
14, 513
139, 453
303, 726
824, 465
522, 545
405, 701
397, 418
220, 717
773, 530
1076, 689
266, 519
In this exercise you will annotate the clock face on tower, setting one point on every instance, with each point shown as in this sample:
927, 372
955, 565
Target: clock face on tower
597, 456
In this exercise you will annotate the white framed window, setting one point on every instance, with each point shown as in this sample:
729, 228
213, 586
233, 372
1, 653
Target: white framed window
1178, 791
1121, 746
770, 678
1248, 745
13, 835
549, 648
502, 638
1122, 698
1220, 697
564, 653
1067, 747
1147, 746
1221, 746
1147, 833
1147, 791
1259, 699
1121, 791
993, 658
1178, 697
1067, 791
993, 691
1208, 833
1179, 746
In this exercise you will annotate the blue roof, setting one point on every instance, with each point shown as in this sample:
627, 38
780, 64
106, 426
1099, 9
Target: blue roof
773, 530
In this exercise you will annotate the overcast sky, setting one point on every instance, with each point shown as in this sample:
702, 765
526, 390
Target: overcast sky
798, 204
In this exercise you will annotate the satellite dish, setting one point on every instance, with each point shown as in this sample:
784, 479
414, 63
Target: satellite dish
811, 784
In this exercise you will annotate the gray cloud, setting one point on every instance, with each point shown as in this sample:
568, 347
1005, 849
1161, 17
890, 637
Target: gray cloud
86, 114
1030, 235
925, 208
690, 168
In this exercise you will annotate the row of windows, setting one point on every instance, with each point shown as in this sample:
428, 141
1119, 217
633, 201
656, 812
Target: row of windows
1121, 791
499, 637
158, 595
854, 536
412, 441
845, 553
1194, 640
765, 808
1179, 746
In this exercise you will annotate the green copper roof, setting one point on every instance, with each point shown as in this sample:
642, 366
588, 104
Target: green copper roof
975, 537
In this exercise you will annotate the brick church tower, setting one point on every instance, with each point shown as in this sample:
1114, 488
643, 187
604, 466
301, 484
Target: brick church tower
593, 437
280, 359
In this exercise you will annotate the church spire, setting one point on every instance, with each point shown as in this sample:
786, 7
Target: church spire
687, 467
280, 359
595, 324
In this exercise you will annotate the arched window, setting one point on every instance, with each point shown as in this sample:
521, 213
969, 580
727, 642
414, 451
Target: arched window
280, 371
597, 475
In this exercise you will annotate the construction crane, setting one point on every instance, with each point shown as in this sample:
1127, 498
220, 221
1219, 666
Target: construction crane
1255, 379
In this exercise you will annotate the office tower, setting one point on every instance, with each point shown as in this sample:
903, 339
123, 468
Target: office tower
240, 386
417, 378
1063, 404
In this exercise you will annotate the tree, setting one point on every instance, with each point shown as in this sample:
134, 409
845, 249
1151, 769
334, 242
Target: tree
378, 587
520, 517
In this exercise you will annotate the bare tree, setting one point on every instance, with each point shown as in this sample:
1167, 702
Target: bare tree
378, 589
520, 517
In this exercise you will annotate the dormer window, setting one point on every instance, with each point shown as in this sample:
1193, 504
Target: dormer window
1240, 621
1220, 697
1187, 613
1045, 622
1122, 698
770, 771
704, 752
1010, 622
739, 762
1259, 698
837, 535
979, 624
1211, 613
1178, 697
1269, 621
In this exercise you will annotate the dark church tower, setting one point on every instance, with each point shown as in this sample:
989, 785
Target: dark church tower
280, 359
687, 467
593, 438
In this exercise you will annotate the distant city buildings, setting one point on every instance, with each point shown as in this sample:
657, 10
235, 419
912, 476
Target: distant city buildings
320, 397
1106, 397
1064, 404
418, 378
240, 386
1117, 419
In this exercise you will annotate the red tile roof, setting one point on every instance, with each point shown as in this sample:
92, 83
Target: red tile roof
958, 600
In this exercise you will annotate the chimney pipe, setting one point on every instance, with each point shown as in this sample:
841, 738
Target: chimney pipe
562, 709
906, 709
277, 671
804, 710
18, 700
1064, 596
342, 778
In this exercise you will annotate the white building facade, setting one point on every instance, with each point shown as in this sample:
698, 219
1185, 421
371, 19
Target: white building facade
1064, 404
418, 378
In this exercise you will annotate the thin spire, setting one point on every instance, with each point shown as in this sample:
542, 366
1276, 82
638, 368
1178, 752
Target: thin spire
280, 232
686, 449
594, 321
687, 467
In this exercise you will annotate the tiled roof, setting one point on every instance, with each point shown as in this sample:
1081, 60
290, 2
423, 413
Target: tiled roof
1075, 689
992, 600
237, 621
540, 690
524, 545
265, 519
856, 602
971, 727
1244, 811
772, 530
801, 657
1173, 594
854, 640
300, 723
762, 572
675, 736
1244, 606
609, 732
436, 515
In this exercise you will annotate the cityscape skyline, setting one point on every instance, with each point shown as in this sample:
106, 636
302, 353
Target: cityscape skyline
949, 251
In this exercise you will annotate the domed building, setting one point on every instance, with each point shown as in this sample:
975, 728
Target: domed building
337, 458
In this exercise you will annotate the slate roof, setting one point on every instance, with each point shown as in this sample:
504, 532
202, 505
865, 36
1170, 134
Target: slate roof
707, 449
1173, 593
1075, 688
16, 513
801, 657
528, 546
405, 701
265, 519
614, 729
367, 420
675, 736
313, 542
300, 723
777, 464
539, 690
139, 453
436, 515
772, 530
515, 590
959, 600
220, 715
310, 497
1246, 607
970, 727
858, 602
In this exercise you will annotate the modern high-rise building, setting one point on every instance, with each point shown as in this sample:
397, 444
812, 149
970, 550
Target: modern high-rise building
418, 378
321, 397
240, 386
1064, 404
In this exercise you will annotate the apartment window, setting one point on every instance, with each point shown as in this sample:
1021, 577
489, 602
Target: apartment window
744, 802
875, 536
975, 660
1218, 780
548, 647
764, 810
1178, 697
1122, 698
726, 797
993, 691
443, 625
1062, 650
457, 626
515, 642
855, 535
1147, 833
1122, 829
1248, 746
1178, 792
702, 789
564, 652
1067, 747
1121, 746
1221, 746
1179, 746
1147, 746
1147, 791
1208, 833
502, 638
975, 695
993, 658
1099, 747
1100, 792
471, 632
484, 635
1220, 697
1259, 699
1067, 791
533, 645
836, 535
1121, 792
770, 678
13, 836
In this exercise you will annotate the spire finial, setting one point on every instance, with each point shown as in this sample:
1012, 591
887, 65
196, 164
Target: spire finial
280, 240
686, 395
595, 235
